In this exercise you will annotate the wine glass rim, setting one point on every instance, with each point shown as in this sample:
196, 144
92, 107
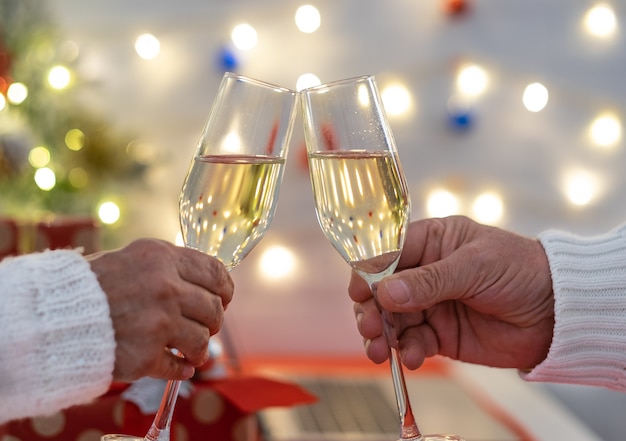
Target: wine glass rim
324, 86
246, 79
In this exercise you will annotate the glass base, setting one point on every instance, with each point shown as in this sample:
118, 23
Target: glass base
117, 437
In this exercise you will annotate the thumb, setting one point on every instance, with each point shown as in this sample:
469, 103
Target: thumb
420, 288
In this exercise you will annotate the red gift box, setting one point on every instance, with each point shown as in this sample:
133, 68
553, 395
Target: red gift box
9, 238
67, 232
217, 409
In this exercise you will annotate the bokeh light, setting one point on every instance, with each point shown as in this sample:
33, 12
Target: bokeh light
580, 187
535, 97
45, 179
442, 203
75, 139
147, 46
109, 212
78, 177
308, 19
472, 80
59, 77
17, 93
600, 21
488, 208
39, 157
244, 37
396, 99
307, 80
606, 130
277, 262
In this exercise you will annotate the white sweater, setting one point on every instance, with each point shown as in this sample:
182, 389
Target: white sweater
589, 281
57, 344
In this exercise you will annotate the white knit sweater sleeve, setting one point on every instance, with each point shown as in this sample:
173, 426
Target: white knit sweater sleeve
589, 282
57, 344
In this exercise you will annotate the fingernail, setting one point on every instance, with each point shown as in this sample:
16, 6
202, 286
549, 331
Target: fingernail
188, 371
398, 291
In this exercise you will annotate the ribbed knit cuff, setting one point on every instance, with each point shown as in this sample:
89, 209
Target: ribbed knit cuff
589, 282
58, 343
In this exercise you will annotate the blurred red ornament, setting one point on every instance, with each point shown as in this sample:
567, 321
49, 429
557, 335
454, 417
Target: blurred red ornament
455, 7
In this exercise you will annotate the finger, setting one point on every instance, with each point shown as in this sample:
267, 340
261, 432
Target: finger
420, 288
368, 319
207, 272
416, 344
202, 306
377, 349
192, 340
171, 367
358, 289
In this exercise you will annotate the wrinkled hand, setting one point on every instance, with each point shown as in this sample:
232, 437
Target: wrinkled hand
465, 291
161, 296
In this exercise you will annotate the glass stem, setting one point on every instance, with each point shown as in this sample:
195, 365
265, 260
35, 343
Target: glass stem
160, 429
408, 426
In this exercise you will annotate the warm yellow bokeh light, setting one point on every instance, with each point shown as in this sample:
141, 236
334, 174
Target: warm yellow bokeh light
75, 139
600, 21
442, 203
17, 93
45, 179
396, 99
487, 208
535, 97
606, 130
472, 80
109, 212
308, 19
78, 177
147, 46
244, 36
39, 157
59, 77
307, 80
580, 187
277, 262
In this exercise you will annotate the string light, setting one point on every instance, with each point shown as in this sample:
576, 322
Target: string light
579, 187
600, 21
75, 139
277, 262
307, 80
147, 46
45, 178
535, 97
59, 77
308, 19
109, 212
396, 99
472, 80
488, 208
39, 157
244, 37
442, 203
17, 93
606, 130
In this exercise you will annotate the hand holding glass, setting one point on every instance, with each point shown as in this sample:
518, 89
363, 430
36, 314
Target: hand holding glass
361, 197
230, 192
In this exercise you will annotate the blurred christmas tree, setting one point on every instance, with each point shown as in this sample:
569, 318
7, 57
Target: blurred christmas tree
56, 156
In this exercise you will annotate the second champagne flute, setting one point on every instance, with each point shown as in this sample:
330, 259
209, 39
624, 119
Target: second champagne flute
361, 198
229, 195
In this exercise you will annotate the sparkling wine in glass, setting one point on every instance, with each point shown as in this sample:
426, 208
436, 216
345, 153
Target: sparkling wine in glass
361, 198
229, 195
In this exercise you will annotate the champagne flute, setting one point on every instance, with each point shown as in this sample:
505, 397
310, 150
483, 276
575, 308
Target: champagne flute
361, 198
229, 195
